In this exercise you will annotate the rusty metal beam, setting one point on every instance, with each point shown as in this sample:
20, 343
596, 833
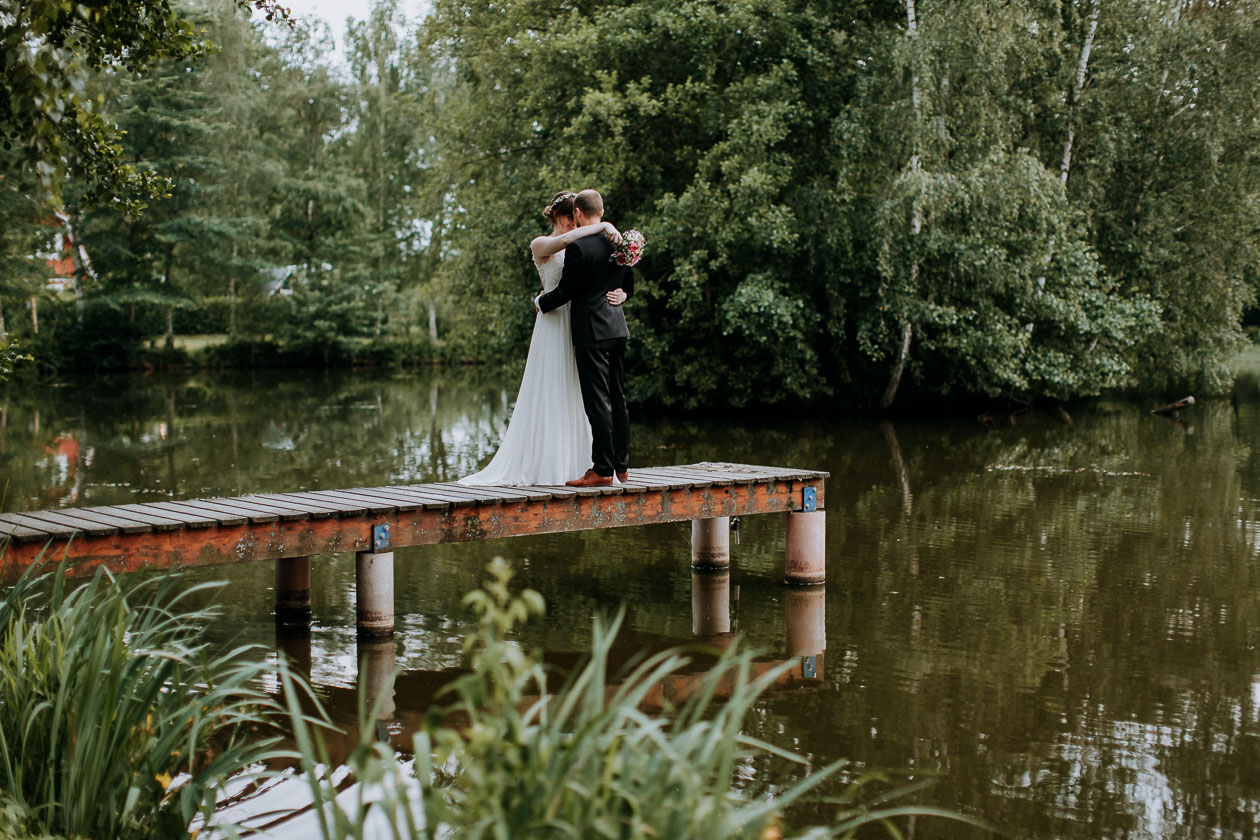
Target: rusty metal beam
521, 514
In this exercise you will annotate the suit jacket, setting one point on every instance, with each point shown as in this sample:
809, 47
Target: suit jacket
588, 274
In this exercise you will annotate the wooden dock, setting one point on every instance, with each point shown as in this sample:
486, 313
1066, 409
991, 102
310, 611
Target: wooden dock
371, 521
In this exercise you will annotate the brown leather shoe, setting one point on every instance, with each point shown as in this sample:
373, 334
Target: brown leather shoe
591, 479
623, 475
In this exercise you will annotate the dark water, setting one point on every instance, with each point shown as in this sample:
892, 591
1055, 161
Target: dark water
1057, 616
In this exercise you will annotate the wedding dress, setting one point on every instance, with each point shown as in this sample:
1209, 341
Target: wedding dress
548, 440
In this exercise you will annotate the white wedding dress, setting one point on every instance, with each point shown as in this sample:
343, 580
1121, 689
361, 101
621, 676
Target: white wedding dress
548, 439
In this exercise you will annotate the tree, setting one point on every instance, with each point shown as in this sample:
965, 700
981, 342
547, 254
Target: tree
1166, 168
388, 150
48, 51
1045, 198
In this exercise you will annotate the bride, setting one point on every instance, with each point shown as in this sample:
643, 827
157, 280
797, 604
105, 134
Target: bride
548, 439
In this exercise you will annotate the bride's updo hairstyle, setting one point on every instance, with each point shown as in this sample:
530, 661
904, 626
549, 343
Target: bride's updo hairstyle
561, 205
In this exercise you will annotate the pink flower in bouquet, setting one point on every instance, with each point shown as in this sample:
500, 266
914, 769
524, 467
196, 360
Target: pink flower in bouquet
630, 251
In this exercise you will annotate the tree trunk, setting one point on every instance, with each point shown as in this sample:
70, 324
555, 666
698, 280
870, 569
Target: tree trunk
4, 331
232, 294
433, 336
899, 367
35, 315
1074, 96
80, 264
169, 338
381, 188
916, 220
1065, 164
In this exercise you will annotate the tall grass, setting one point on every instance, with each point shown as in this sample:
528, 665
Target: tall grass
506, 759
115, 722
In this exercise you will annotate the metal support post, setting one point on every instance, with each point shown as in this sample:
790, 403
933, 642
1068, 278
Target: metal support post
374, 580
806, 561
711, 543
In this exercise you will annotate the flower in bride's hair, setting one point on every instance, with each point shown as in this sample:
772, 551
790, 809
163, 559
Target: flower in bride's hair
630, 251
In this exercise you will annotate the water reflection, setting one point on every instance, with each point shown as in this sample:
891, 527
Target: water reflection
711, 604
118, 439
1057, 614
402, 697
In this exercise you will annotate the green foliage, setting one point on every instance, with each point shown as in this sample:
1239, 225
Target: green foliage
117, 722
1007, 298
506, 759
48, 48
15, 822
10, 356
1029, 199
819, 184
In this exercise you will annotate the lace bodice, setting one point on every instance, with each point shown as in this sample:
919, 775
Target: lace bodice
551, 270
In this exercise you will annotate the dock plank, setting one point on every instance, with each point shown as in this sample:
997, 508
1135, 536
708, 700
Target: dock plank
370, 504
195, 518
25, 528
252, 510
426, 500
489, 494
397, 501
222, 514
316, 510
90, 521
499, 491
187, 520
673, 479
452, 498
159, 521
341, 507
286, 512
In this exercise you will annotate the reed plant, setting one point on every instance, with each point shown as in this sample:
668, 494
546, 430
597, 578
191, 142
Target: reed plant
509, 759
115, 720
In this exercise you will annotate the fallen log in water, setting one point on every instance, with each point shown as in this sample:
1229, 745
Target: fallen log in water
1173, 408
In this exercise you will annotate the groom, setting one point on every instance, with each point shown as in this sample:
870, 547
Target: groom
599, 341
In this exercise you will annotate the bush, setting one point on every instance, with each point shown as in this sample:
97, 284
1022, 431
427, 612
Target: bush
105, 340
208, 316
110, 706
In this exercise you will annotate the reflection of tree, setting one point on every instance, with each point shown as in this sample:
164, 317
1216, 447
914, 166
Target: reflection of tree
215, 435
1057, 622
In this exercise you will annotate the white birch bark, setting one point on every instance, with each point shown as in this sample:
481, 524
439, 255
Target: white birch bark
1078, 87
916, 220
78, 255
1074, 99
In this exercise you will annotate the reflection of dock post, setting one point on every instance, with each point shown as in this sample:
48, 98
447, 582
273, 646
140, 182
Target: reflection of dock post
710, 603
374, 584
806, 561
711, 543
376, 676
805, 611
294, 644
293, 591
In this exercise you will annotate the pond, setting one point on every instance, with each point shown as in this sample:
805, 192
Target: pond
1054, 614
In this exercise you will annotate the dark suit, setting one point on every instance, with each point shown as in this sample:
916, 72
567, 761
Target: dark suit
599, 343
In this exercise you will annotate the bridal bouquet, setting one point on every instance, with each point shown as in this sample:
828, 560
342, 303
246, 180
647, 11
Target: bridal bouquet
630, 251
